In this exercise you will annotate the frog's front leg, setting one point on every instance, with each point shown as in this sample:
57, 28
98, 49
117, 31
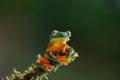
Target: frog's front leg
66, 57
63, 55
64, 48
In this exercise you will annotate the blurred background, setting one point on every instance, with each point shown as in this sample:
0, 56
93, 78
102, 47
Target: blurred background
25, 26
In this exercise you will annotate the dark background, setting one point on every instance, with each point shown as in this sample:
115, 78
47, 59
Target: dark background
25, 26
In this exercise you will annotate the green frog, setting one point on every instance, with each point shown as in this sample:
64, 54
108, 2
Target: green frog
57, 51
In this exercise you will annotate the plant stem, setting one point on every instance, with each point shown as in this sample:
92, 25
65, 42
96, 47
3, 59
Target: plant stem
35, 72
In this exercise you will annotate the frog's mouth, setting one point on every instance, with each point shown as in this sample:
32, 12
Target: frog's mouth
60, 40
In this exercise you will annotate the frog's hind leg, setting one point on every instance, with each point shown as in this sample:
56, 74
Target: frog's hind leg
44, 62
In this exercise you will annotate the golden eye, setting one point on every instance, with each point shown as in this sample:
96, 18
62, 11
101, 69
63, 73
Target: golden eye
69, 33
54, 32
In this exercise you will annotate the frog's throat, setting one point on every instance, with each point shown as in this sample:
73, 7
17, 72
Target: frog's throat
57, 44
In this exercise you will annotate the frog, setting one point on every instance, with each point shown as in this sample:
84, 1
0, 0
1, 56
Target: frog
57, 50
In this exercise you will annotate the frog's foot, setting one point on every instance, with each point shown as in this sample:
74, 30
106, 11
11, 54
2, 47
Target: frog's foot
42, 61
63, 59
48, 67
45, 63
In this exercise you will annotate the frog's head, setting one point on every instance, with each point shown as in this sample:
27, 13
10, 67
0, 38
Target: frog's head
62, 36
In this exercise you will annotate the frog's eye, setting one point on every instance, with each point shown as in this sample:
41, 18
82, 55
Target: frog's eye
69, 33
54, 32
